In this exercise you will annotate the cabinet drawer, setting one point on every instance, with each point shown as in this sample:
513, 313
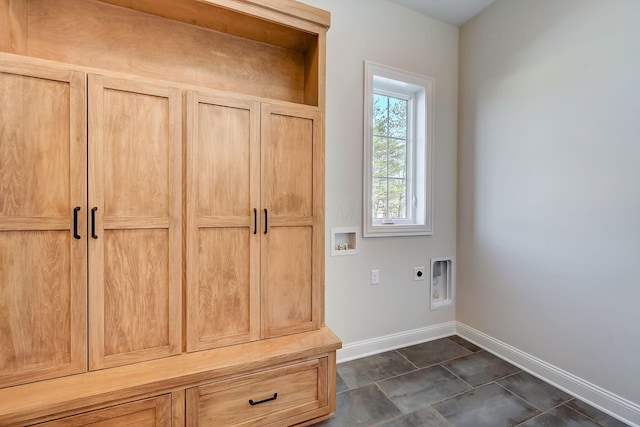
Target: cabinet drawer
152, 412
260, 398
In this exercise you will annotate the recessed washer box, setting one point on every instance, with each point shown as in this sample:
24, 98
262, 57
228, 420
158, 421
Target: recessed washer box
443, 280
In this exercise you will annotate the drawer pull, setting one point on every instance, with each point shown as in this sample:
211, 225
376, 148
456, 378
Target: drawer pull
252, 403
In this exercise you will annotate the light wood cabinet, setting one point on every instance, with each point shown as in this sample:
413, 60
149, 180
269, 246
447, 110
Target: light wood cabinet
254, 220
292, 197
135, 136
43, 268
222, 198
162, 213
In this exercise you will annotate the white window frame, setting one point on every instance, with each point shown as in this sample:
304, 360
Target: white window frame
419, 90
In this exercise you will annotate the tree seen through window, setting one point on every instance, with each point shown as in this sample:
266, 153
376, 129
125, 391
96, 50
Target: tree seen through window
390, 134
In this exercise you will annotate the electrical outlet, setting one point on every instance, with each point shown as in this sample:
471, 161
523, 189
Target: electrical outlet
418, 273
375, 277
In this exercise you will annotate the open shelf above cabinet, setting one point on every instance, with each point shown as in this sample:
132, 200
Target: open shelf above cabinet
252, 49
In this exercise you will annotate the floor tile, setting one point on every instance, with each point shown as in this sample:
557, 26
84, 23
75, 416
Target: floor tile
488, 406
357, 373
535, 391
425, 417
464, 343
480, 368
595, 414
432, 352
340, 384
418, 389
560, 417
364, 406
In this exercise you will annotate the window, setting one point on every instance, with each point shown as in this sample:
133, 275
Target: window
397, 139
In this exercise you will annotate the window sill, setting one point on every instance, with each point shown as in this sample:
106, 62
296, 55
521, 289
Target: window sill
397, 230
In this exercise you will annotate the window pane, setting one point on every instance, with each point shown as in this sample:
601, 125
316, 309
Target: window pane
380, 157
397, 158
398, 118
380, 114
397, 198
379, 198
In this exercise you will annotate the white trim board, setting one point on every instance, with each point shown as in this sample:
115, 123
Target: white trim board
604, 400
391, 342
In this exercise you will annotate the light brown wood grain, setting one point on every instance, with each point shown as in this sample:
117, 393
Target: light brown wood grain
153, 412
91, 33
136, 291
224, 149
30, 401
270, 50
34, 146
42, 177
224, 287
243, 20
227, 402
178, 407
287, 162
135, 184
13, 26
293, 193
222, 191
287, 287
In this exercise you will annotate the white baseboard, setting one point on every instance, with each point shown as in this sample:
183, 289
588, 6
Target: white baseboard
391, 342
612, 404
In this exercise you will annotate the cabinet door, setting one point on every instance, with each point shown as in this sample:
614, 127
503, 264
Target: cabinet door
292, 189
42, 185
223, 243
135, 221
153, 412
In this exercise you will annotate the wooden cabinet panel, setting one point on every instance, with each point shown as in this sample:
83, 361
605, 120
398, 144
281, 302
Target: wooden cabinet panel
222, 181
287, 173
136, 291
224, 288
42, 180
153, 412
135, 197
292, 193
287, 280
260, 398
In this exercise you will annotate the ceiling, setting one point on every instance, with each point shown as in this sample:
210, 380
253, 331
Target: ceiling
454, 12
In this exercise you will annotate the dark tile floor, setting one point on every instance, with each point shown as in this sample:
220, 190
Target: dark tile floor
451, 382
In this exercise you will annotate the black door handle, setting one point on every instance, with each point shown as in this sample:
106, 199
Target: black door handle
266, 221
75, 222
93, 223
255, 221
252, 403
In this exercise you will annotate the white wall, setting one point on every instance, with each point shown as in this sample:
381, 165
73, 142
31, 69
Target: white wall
383, 32
549, 184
